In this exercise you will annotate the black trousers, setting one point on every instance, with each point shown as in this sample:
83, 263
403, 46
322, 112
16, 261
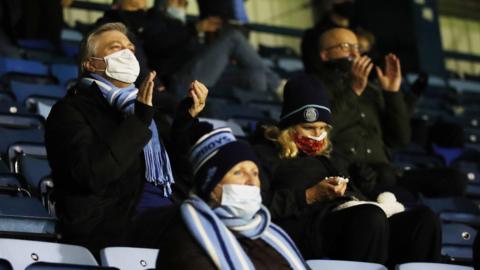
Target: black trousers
363, 233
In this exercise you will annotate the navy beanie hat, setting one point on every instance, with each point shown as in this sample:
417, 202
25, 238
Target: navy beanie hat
213, 155
304, 101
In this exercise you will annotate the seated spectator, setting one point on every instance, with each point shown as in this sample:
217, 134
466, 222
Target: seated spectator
223, 225
175, 52
305, 190
338, 13
370, 119
109, 163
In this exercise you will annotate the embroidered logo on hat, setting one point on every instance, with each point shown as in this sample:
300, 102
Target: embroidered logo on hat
310, 114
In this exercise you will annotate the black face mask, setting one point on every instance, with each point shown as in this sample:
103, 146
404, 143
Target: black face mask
345, 9
343, 65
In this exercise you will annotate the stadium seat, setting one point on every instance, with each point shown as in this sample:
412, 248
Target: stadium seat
64, 72
29, 160
465, 218
20, 121
40, 105
23, 90
343, 265
16, 150
22, 66
10, 185
217, 123
21, 253
431, 266
11, 136
458, 234
24, 215
450, 204
128, 258
65, 266
457, 253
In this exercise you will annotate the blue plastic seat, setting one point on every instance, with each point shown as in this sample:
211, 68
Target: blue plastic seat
23, 90
457, 217
458, 253
21, 121
22, 66
125, 258
431, 266
24, 215
21, 253
218, 123
11, 136
458, 234
64, 72
343, 265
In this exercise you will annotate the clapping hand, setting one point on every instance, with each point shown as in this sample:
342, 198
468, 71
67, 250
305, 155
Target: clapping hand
198, 92
390, 78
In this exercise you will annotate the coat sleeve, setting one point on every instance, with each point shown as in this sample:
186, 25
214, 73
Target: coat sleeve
92, 161
396, 120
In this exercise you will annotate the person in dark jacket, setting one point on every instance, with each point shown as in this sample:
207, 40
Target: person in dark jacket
371, 118
174, 49
306, 192
339, 14
104, 144
223, 224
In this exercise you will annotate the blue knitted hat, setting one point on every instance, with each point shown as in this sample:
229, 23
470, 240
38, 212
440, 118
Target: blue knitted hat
213, 155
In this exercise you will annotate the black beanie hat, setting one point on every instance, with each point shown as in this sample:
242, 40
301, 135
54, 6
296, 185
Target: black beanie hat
213, 155
304, 101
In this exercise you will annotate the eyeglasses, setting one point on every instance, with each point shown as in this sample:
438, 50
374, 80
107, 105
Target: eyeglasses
345, 46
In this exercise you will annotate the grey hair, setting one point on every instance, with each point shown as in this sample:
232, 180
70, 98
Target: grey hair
89, 43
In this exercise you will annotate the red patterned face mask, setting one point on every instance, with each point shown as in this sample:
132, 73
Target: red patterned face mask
310, 145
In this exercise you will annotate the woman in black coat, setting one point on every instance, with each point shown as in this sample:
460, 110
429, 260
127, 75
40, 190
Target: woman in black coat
223, 224
307, 189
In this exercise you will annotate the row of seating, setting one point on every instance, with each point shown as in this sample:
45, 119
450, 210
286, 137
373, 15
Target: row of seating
31, 255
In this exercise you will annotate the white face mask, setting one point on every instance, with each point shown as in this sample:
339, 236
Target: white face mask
242, 201
177, 13
322, 136
122, 66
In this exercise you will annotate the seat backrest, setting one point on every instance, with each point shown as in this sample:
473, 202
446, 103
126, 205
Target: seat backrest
65, 266
21, 253
343, 265
128, 258
458, 234
10, 136
217, 123
64, 72
431, 266
23, 90
21, 121
22, 66
16, 150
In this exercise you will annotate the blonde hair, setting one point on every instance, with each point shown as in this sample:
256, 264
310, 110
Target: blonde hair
284, 138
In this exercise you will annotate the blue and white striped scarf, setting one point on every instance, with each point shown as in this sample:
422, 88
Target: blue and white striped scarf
216, 230
158, 170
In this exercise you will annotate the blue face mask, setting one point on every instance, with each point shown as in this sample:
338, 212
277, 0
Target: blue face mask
241, 201
177, 13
